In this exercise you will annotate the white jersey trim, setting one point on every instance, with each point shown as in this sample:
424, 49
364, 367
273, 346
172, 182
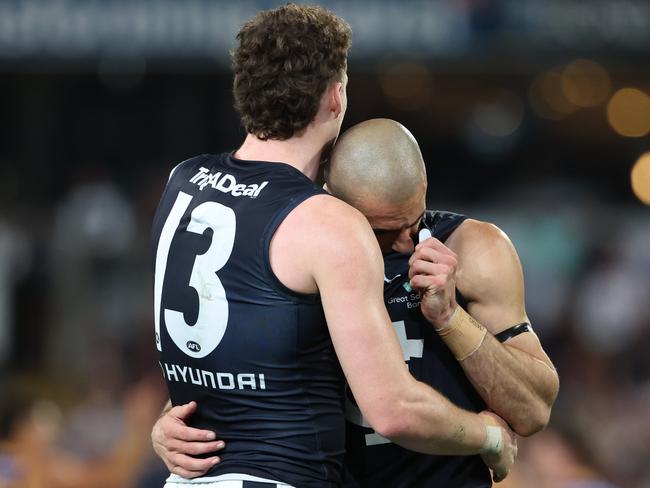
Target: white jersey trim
175, 481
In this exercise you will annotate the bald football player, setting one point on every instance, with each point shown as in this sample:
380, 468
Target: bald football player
481, 353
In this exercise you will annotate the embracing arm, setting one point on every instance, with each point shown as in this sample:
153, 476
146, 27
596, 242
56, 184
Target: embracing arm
346, 265
516, 379
177, 443
348, 269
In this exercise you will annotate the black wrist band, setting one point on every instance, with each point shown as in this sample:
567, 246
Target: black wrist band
513, 331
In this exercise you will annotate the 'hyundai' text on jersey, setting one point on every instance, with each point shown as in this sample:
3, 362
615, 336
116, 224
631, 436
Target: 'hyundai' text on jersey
254, 355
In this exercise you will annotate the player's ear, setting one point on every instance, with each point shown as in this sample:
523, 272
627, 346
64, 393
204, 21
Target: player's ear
336, 98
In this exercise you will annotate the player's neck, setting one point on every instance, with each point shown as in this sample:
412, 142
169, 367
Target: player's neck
303, 153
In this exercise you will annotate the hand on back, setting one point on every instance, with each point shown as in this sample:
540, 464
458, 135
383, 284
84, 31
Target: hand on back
177, 444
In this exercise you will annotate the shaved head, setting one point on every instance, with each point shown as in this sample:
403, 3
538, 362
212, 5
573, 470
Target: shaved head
378, 160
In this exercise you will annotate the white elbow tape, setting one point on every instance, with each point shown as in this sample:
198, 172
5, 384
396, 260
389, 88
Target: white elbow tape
493, 440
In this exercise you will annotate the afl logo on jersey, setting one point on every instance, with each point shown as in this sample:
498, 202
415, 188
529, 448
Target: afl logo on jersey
193, 346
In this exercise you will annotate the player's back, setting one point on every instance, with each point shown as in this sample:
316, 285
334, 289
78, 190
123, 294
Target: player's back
256, 356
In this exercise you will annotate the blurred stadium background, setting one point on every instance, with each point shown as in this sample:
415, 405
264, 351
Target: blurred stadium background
532, 114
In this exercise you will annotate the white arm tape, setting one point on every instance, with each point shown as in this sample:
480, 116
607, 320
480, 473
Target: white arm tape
493, 440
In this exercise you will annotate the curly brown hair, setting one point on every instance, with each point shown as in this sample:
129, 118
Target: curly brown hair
285, 59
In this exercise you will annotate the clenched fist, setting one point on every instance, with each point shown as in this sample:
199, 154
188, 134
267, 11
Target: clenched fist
432, 271
501, 462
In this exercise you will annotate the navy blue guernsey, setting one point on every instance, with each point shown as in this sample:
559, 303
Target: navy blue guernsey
373, 461
256, 357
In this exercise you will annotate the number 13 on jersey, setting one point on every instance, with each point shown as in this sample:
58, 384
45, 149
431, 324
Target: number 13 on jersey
204, 336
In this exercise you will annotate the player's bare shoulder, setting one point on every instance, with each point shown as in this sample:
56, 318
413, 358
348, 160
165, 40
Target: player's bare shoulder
473, 235
325, 220
323, 231
484, 252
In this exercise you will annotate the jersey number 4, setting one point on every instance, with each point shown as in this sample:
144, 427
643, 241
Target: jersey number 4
204, 336
411, 348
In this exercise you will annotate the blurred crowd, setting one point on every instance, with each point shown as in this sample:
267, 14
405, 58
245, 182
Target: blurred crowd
587, 270
514, 131
81, 387
79, 377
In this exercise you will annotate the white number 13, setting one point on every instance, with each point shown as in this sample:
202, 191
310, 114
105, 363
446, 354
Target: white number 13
202, 338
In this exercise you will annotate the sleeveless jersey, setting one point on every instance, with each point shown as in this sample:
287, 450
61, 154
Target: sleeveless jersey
374, 461
255, 356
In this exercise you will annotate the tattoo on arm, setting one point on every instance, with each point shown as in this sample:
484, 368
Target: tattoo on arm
459, 435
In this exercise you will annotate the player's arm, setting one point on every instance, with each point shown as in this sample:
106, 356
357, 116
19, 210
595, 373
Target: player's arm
516, 378
178, 444
347, 266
